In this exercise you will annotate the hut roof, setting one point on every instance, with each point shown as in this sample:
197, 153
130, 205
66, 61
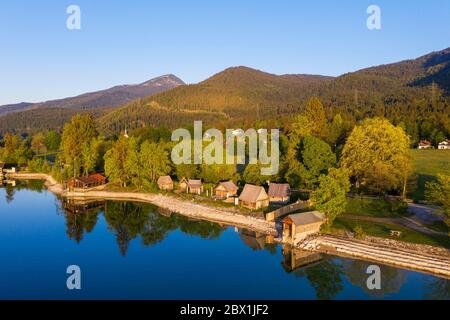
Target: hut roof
165, 180
195, 183
279, 190
228, 185
253, 193
93, 178
305, 218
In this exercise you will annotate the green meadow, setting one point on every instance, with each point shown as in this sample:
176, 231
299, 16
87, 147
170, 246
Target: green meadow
428, 164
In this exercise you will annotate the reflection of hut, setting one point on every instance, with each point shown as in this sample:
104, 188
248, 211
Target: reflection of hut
195, 186
164, 212
225, 189
295, 258
92, 181
253, 197
254, 240
165, 183
81, 206
279, 193
297, 227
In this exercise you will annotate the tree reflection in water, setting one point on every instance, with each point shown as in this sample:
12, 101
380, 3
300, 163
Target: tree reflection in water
325, 277
437, 289
128, 220
392, 278
11, 186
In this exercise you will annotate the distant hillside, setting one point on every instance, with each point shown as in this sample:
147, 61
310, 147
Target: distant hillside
237, 92
412, 93
26, 116
409, 92
8, 108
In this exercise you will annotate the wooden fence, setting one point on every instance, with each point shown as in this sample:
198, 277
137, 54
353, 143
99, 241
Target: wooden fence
283, 211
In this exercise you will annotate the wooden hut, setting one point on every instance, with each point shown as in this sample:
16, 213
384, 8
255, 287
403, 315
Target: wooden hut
253, 197
279, 193
225, 189
297, 227
165, 183
195, 186
183, 185
87, 182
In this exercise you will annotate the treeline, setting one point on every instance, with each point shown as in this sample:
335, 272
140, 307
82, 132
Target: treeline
328, 157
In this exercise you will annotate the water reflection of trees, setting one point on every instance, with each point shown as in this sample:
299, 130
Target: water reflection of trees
437, 289
79, 224
392, 279
11, 186
128, 220
325, 277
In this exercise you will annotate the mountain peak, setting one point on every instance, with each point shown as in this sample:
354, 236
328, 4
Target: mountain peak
164, 80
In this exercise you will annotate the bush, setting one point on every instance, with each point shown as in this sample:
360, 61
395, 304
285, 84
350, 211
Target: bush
359, 233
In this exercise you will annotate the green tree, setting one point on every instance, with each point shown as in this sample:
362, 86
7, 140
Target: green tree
312, 122
376, 154
186, 171
154, 161
117, 163
252, 174
330, 197
38, 143
52, 140
90, 153
438, 192
314, 157
80, 130
336, 132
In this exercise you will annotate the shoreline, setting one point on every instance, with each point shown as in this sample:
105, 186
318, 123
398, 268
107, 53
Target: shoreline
387, 253
183, 207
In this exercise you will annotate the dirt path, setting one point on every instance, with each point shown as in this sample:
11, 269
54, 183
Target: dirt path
400, 221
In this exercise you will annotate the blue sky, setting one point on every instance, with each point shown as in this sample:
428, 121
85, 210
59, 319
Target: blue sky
132, 41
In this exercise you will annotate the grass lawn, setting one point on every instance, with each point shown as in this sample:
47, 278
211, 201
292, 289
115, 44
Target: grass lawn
428, 164
383, 231
376, 207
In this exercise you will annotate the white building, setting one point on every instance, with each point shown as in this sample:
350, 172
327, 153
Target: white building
444, 145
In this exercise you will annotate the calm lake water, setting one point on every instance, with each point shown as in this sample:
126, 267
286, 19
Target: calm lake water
136, 251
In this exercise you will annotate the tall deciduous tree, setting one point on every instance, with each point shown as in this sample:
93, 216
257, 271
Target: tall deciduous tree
438, 192
52, 140
314, 157
376, 154
38, 143
80, 130
154, 161
117, 163
330, 197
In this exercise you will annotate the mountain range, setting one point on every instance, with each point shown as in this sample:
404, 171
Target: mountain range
110, 98
411, 92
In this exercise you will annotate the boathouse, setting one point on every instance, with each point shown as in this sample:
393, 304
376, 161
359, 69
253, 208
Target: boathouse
279, 193
87, 182
297, 227
165, 183
253, 197
225, 189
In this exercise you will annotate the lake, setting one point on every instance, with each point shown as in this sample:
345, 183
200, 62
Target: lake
136, 251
